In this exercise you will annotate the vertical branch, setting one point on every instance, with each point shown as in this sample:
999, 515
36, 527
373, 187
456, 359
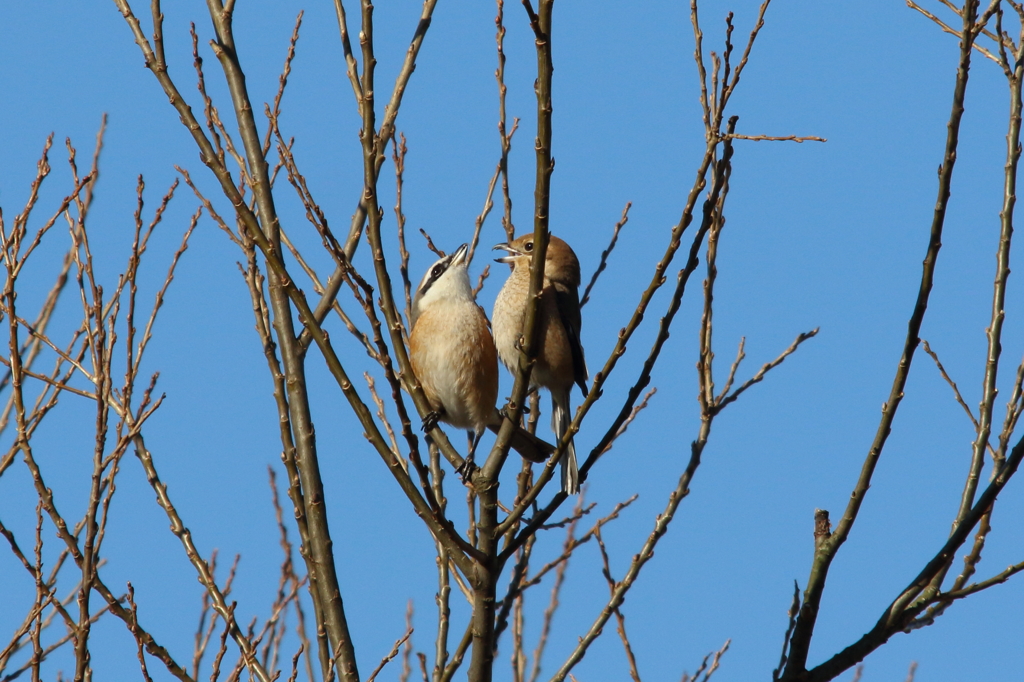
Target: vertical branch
288, 570
518, 656
140, 649
503, 134
399, 150
11, 242
541, 25
705, 375
321, 564
826, 552
995, 328
102, 379
993, 333
1013, 412
351, 67
698, 55
484, 581
729, 85
41, 593
254, 281
444, 588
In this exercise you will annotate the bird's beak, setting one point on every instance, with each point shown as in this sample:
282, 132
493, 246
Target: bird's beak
512, 253
460, 254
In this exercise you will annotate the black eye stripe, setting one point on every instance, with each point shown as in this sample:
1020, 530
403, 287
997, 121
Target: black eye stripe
438, 269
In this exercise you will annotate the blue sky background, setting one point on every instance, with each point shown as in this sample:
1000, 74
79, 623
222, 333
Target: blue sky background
828, 235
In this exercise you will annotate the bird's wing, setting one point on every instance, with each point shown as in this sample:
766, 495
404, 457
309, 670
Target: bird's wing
568, 301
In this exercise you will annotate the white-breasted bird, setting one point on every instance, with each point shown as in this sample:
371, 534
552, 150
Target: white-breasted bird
560, 362
454, 358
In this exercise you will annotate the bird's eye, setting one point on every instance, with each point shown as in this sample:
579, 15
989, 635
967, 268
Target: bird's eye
437, 270
529, 247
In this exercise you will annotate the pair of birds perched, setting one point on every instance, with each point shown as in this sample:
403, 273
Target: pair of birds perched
455, 357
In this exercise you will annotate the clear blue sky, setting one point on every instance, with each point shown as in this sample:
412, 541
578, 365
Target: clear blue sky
828, 235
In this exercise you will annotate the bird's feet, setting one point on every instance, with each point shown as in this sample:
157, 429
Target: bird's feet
465, 471
430, 421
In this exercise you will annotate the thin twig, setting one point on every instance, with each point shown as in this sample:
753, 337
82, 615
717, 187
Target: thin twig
769, 138
391, 655
607, 252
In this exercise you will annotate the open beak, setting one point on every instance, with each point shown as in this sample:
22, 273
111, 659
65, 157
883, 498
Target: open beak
512, 253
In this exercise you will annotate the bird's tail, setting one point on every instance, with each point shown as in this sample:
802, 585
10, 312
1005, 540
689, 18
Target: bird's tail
525, 443
560, 420
530, 446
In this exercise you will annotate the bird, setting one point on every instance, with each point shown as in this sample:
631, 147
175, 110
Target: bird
453, 356
560, 361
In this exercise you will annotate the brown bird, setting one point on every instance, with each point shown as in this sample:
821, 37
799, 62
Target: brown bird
560, 362
453, 355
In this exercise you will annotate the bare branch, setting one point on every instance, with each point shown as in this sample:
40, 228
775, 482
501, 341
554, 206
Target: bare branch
387, 659
768, 138
604, 254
